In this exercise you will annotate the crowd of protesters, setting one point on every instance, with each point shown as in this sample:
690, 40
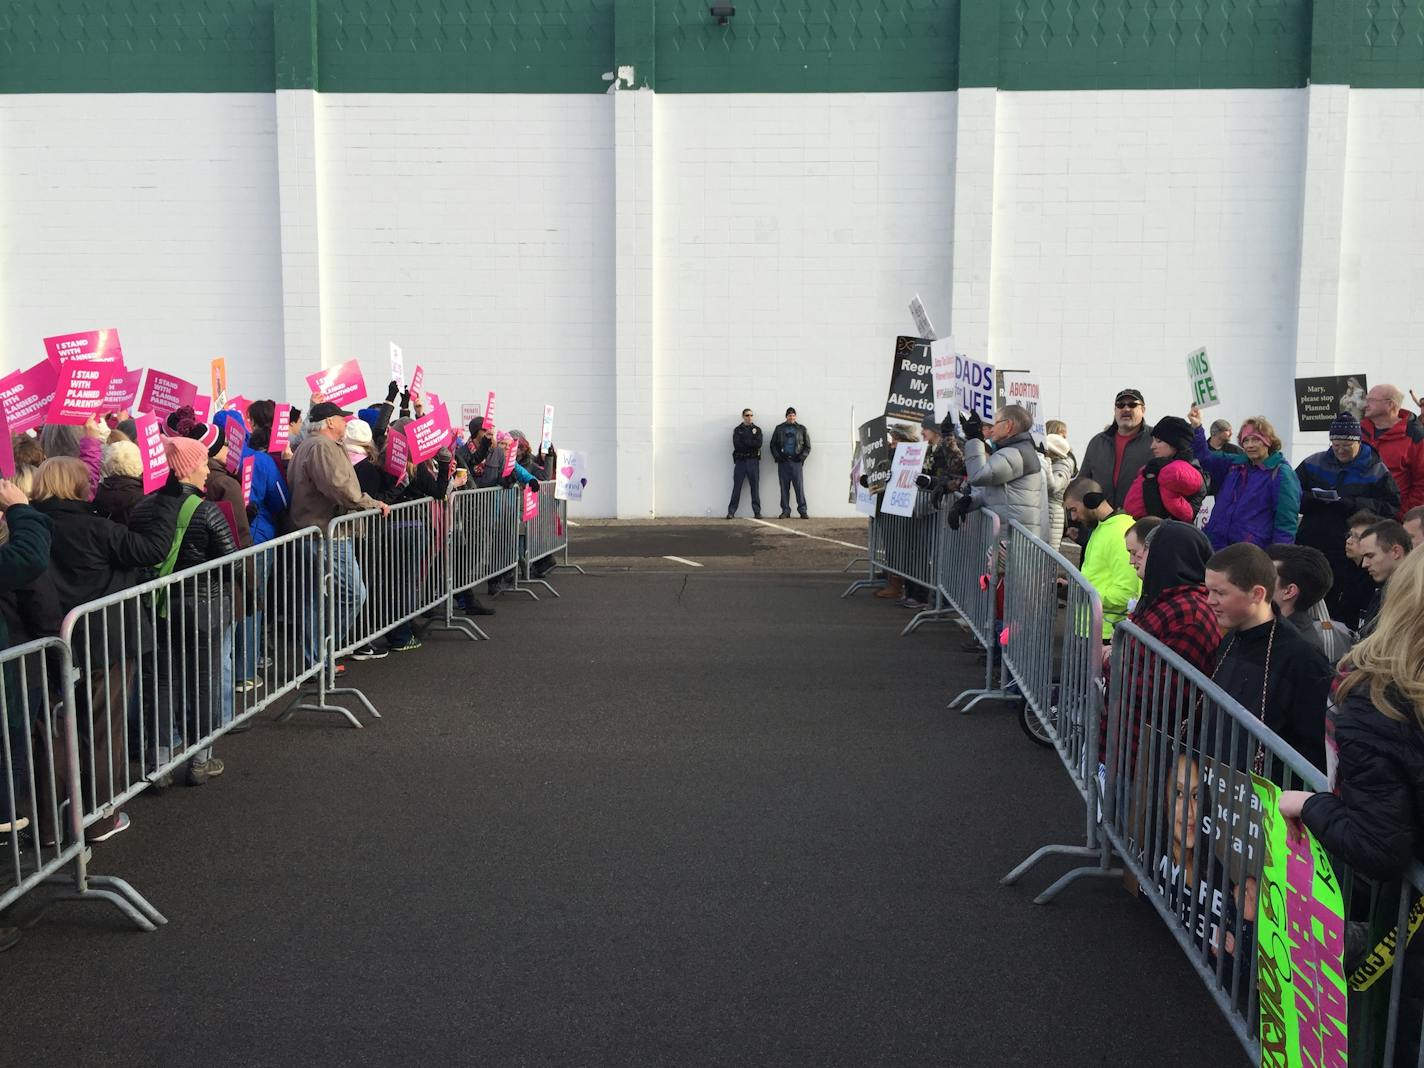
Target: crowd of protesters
1299, 591
78, 526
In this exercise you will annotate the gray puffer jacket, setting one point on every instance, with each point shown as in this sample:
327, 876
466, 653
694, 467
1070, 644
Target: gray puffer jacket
1010, 480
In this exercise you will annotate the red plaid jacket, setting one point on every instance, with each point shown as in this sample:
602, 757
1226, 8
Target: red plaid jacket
1181, 620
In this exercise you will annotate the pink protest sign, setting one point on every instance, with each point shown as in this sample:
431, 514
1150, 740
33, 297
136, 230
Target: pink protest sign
247, 464
511, 446
202, 407
489, 410
123, 390
397, 453
236, 439
150, 452
25, 395
239, 404
281, 430
87, 345
429, 434
7, 449
79, 391
531, 503
341, 385
433, 401
164, 393
417, 381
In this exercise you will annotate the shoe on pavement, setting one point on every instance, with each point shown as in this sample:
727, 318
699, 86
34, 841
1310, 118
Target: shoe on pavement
910, 602
248, 685
731, 515
19, 823
409, 645
477, 608
756, 515
9, 938
200, 771
108, 827
805, 516
784, 515
369, 652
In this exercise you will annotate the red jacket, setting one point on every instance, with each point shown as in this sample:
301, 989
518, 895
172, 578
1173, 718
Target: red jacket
1401, 447
1177, 482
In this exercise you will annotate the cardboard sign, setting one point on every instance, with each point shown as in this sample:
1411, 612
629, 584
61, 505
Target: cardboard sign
489, 411
248, 462
164, 394
341, 385
901, 493
974, 386
281, 430
1204, 393
922, 319
123, 390
546, 438
569, 479
397, 365
150, 452
470, 412
911, 396
428, 434
1319, 400
1024, 390
1301, 945
87, 345
875, 452
861, 497
217, 371
7, 448
946, 392
79, 391
25, 395
202, 407
417, 381
397, 453
236, 439
531, 503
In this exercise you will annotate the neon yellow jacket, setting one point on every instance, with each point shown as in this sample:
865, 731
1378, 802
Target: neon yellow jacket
1107, 568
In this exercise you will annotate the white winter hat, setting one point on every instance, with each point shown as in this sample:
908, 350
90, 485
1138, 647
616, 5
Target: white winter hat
1056, 446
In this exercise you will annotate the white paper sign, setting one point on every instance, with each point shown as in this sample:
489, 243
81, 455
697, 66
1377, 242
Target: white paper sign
946, 397
570, 479
922, 319
974, 381
1203, 384
547, 437
1026, 391
397, 365
864, 499
901, 491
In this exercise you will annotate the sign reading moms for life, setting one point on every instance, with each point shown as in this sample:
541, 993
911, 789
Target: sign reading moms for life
901, 493
1204, 393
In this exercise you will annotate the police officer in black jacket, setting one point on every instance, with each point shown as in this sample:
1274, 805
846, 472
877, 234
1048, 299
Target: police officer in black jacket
746, 463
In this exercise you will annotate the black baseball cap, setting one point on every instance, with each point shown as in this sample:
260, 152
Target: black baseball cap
1130, 394
790, 411
324, 411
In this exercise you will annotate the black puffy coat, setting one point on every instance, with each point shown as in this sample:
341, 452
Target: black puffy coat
1376, 823
208, 537
116, 497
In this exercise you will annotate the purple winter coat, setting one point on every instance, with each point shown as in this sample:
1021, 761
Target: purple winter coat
1259, 505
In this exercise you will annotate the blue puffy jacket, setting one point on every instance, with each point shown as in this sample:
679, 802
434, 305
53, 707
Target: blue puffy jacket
1259, 505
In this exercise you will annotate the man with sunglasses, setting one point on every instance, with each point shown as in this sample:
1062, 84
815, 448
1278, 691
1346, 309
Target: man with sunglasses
746, 464
1115, 455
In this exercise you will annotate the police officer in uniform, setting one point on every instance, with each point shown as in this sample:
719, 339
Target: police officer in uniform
746, 463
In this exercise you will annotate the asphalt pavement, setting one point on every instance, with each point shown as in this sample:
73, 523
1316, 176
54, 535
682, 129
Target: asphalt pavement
682, 815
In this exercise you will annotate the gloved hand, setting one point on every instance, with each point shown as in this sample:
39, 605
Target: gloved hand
865, 481
405, 400
973, 427
923, 481
938, 494
507, 481
392, 391
946, 428
958, 512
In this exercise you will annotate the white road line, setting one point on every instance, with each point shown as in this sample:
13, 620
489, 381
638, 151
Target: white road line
803, 534
680, 560
572, 523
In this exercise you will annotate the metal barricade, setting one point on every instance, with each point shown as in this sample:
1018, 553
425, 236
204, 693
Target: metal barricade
544, 535
871, 580
971, 567
909, 547
1053, 652
41, 807
484, 542
381, 571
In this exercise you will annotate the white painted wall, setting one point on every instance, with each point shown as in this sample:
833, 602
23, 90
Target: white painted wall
156, 214
1132, 227
791, 231
651, 264
1382, 254
476, 231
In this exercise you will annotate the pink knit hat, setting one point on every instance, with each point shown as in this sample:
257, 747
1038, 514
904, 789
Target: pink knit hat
185, 456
